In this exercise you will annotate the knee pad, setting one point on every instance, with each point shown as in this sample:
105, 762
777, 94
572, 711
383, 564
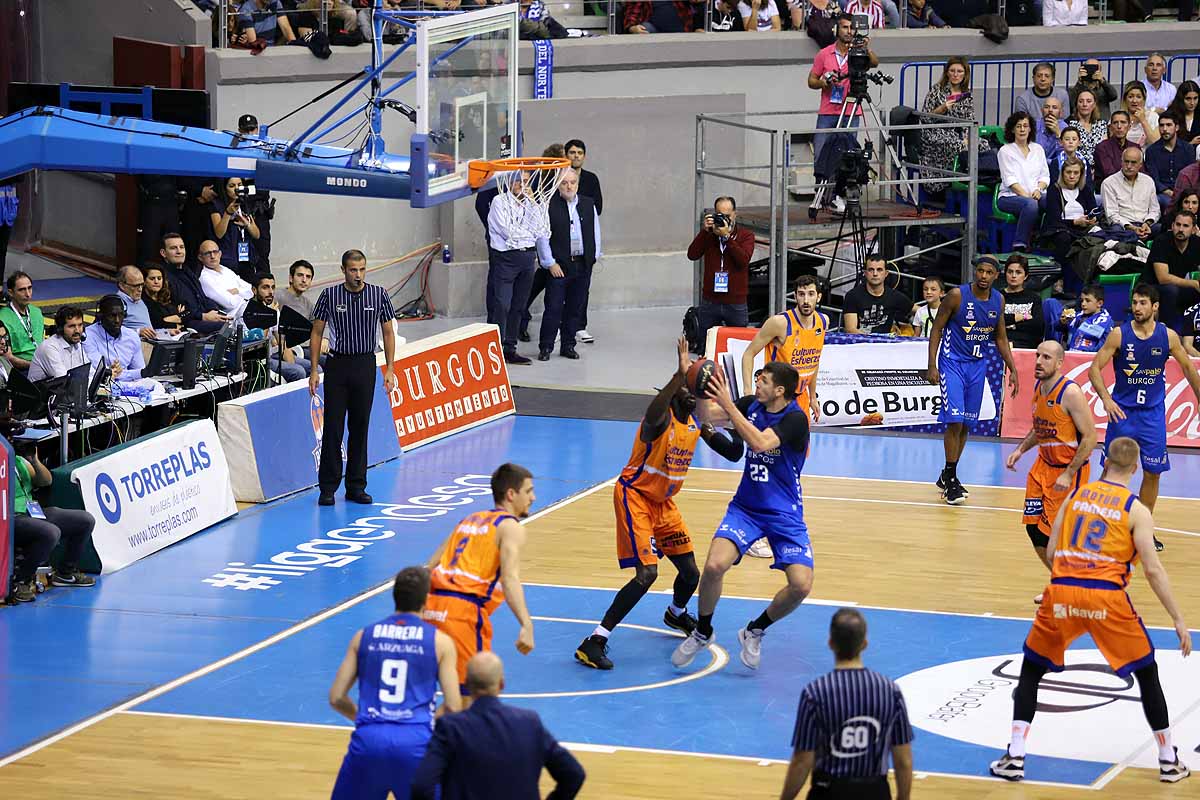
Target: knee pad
1036, 536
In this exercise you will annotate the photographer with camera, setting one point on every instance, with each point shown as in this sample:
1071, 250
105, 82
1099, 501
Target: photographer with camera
726, 250
1091, 79
831, 76
234, 228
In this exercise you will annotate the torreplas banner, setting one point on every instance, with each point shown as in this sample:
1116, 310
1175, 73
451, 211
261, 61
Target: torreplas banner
153, 494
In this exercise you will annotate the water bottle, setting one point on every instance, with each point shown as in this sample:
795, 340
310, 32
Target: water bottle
445, 254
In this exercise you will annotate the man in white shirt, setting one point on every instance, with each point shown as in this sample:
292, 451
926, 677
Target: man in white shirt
1159, 91
1130, 201
62, 352
570, 250
221, 284
512, 240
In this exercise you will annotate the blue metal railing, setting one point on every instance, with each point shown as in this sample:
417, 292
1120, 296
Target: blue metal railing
996, 84
1183, 68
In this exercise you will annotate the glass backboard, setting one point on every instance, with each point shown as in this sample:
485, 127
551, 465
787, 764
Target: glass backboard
467, 91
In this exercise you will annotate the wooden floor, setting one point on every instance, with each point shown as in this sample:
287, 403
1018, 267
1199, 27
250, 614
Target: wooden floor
876, 543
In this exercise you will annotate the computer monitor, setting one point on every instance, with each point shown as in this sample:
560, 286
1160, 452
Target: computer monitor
99, 378
27, 398
226, 342
166, 358
74, 394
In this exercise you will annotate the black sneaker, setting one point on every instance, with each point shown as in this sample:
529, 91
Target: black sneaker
1158, 546
593, 652
1009, 767
942, 483
21, 593
1173, 771
72, 578
681, 622
954, 495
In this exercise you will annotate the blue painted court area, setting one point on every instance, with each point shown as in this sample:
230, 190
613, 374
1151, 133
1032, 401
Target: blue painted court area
55, 289
187, 607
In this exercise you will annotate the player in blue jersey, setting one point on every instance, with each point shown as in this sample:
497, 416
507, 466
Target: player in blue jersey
774, 430
968, 327
399, 662
1137, 407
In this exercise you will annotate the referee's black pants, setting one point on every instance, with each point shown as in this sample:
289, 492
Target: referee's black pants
828, 788
349, 390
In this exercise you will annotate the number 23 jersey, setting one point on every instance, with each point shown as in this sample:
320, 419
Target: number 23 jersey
771, 480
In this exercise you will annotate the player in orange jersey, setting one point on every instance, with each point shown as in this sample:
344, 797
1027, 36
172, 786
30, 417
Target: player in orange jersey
795, 337
648, 522
476, 570
1064, 433
1100, 532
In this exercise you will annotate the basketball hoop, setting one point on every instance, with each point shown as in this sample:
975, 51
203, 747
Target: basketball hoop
530, 183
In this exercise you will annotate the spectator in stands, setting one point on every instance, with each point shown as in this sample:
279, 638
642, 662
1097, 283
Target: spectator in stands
1167, 157
1068, 147
1050, 127
1143, 121
877, 12
1064, 12
873, 307
222, 285
1159, 92
1087, 329
199, 313
1093, 130
1189, 179
6, 365
62, 352
120, 347
934, 291
1109, 152
1172, 261
1130, 202
1024, 176
725, 16
759, 15
677, 16
464, 762
1030, 101
1184, 109
292, 368
922, 15
339, 16
165, 314
821, 22
300, 276
950, 97
264, 22
589, 186
726, 250
234, 229
1023, 321
130, 285
1187, 200
1091, 79
390, 29
26, 326
37, 531
1071, 209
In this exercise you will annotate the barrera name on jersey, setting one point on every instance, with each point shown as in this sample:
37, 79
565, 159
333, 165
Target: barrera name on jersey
1140, 367
397, 672
971, 332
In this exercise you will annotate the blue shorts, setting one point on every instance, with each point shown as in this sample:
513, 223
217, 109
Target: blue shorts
1147, 427
382, 758
962, 385
787, 535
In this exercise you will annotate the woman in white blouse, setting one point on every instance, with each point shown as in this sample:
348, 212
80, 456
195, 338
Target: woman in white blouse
1143, 122
760, 15
1064, 12
1024, 176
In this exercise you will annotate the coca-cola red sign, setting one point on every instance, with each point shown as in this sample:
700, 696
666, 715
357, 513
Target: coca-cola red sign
1183, 419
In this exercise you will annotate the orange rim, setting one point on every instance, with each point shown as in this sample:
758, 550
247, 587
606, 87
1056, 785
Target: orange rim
480, 170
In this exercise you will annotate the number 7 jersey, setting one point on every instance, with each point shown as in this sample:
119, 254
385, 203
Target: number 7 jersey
1096, 541
971, 332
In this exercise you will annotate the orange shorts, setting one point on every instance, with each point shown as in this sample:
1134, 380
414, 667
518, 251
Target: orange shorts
1042, 500
465, 622
1068, 611
646, 529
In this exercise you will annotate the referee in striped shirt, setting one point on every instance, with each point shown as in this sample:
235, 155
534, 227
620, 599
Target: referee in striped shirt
847, 722
355, 310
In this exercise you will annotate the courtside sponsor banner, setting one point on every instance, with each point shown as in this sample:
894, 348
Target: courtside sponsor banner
272, 439
1183, 420
8, 485
448, 383
156, 493
863, 383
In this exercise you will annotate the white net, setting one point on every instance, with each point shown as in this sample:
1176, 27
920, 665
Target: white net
528, 198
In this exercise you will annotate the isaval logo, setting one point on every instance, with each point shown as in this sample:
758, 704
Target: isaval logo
108, 498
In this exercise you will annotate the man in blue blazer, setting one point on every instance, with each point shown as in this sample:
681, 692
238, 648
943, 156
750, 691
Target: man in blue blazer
493, 751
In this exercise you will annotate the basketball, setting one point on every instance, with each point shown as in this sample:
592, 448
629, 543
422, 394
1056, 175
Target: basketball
698, 374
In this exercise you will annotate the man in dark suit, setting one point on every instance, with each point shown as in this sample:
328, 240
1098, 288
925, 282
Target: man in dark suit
567, 257
589, 186
493, 751
200, 313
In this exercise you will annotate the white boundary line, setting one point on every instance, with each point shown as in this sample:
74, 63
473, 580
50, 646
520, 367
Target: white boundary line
1128, 760
246, 651
587, 747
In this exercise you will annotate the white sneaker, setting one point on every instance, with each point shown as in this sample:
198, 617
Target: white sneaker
1009, 767
751, 642
688, 649
839, 205
1037, 600
1173, 771
760, 549
584, 336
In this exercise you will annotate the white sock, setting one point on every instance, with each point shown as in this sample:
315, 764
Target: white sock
676, 610
1020, 731
602, 631
1166, 750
